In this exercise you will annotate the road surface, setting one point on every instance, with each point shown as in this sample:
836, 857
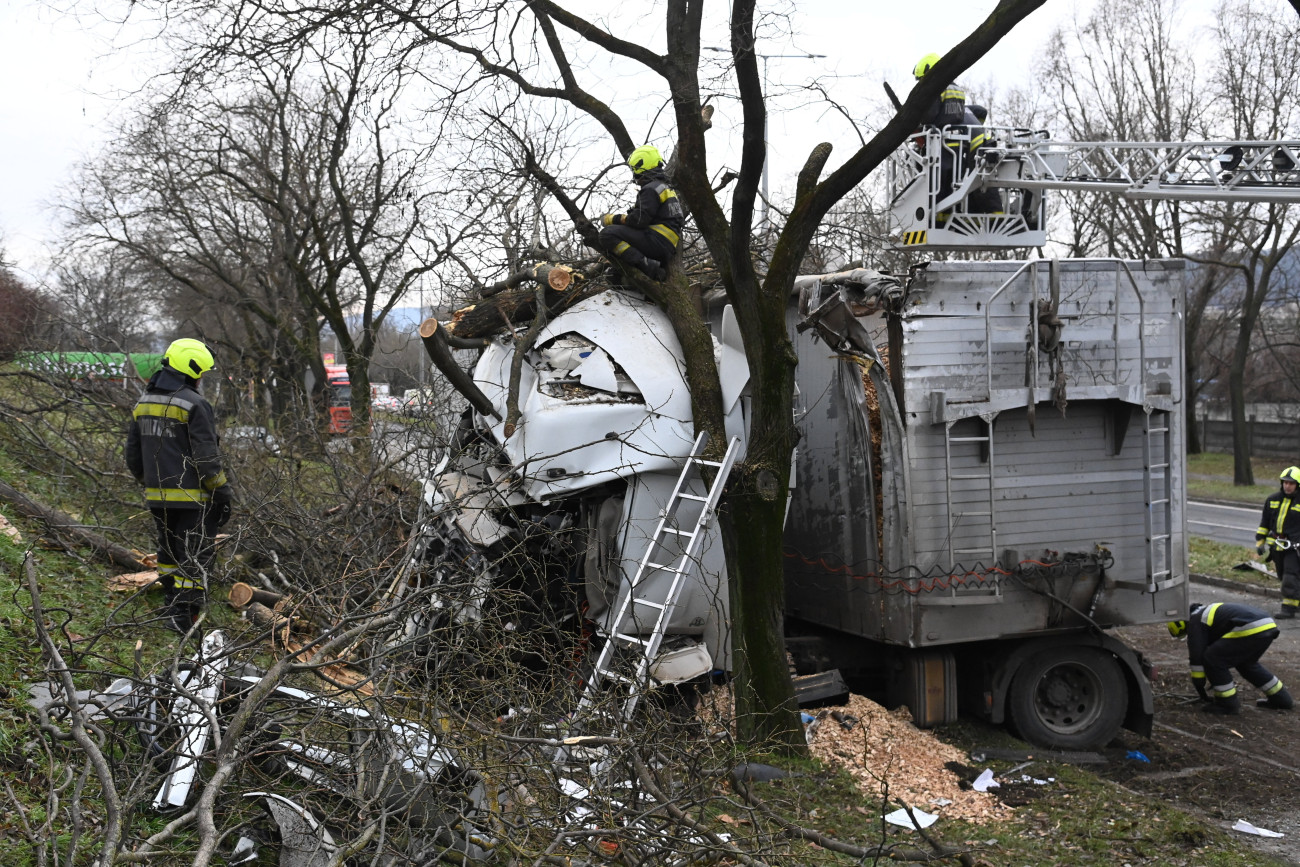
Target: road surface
1233, 525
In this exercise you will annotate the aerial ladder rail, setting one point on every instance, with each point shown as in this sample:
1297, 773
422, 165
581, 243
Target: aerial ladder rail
935, 181
1234, 171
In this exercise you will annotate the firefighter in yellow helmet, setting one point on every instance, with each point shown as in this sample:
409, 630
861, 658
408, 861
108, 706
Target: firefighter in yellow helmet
172, 450
1223, 636
951, 110
646, 237
1277, 536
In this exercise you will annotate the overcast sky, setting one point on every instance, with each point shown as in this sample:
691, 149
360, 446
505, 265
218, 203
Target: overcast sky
64, 81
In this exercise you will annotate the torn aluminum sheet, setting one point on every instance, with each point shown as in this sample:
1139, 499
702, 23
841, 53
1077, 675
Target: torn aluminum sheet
399, 761
194, 711
304, 841
48, 695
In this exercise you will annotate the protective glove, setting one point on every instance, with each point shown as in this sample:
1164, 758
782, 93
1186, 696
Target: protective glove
608, 219
1262, 548
223, 501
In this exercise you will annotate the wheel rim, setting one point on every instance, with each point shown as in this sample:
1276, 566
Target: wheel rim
1069, 698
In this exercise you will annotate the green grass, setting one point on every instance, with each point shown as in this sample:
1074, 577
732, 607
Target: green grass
1209, 477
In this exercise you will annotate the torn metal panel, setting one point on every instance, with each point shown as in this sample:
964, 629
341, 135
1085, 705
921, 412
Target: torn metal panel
304, 841
603, 396
192, 711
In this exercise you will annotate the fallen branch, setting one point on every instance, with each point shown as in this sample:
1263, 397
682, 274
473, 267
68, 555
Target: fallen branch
64, 526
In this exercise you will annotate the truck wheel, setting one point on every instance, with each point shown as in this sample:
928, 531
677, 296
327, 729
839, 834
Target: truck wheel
1069, 698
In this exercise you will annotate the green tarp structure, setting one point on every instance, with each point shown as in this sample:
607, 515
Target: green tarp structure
117, 366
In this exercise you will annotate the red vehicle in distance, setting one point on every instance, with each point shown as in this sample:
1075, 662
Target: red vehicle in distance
338, 391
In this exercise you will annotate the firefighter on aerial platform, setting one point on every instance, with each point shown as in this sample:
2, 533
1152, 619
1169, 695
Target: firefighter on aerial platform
646, 237
1223, 636
172, 449
1277, 537
950, 110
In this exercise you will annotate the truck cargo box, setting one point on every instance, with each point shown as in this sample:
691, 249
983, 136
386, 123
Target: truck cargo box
998, 453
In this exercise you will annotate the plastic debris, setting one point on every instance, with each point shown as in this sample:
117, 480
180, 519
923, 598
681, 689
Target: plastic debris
1247, 828
923, 819
985, 781
1134, 754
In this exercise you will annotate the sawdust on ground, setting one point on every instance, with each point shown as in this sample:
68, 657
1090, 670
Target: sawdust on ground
885, 753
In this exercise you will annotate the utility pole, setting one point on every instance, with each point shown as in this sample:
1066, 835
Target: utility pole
763, 193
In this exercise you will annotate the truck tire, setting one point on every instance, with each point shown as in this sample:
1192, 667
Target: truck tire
1072, 698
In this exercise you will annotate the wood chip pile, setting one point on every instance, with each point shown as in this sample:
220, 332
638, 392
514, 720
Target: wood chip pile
883, 748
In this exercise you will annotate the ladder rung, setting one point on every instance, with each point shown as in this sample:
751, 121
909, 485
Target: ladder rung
649, 604
690, 533
703, 463
693, 497
631, 639
968, 439
983, 478
663, 567
1158, 502
972, 514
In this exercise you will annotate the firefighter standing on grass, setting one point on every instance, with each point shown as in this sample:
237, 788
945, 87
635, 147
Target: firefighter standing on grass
1224, 636
646, 237
1277, 536
172, 449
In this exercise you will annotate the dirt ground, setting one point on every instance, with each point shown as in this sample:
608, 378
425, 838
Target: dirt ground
1224, 768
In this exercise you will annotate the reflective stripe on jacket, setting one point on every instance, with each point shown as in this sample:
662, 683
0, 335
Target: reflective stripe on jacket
1281, 517
657, 207
1220, 621
172, 444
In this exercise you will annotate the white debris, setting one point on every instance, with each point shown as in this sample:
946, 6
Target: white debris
985, 781
900, 818
1247, 828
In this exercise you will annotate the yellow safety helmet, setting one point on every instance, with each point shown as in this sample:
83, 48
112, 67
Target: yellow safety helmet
1177, 628
189, 356
1291, 474
923, 65
644, 158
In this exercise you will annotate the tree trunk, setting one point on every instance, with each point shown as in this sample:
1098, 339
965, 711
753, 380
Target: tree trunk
1242, 472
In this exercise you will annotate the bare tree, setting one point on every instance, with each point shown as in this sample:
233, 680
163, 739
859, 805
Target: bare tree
1258, 72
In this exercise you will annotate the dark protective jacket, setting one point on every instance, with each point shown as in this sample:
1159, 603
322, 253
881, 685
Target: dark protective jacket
1222, 620
172, 446
949, 109
1281, 517
657, 208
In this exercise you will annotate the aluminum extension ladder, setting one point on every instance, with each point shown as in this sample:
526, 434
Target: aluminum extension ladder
612, 664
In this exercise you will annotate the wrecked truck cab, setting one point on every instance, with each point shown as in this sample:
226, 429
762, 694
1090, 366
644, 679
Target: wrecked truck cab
556, 482
602, 396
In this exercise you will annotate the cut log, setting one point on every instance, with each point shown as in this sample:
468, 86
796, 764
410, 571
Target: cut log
435, 346
241, 595
518, 307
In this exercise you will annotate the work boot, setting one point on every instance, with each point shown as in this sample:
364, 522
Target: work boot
184, 609
1280, 700
654, 269
1229, 705
1286, 612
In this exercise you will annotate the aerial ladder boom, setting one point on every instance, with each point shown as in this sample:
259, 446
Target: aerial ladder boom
948, 195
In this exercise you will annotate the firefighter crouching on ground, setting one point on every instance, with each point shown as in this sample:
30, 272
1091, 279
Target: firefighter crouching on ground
1224, 636
172, 449
646, 237
1278, 533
